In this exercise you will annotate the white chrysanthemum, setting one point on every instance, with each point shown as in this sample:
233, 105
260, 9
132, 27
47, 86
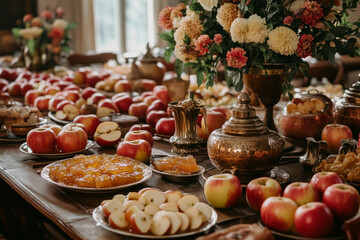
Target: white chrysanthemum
185, 53
189, 25
30, 33
258, 31
283, 40
296, 5
208, 4
191, 13
239, 29
60, 23
226, 14
176, 22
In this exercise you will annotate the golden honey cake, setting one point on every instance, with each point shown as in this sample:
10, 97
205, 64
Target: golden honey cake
177, 164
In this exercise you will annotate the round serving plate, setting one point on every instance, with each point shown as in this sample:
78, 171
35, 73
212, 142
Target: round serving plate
101, 221
25, 149
52, 117
147, 173
179, 177
21, 130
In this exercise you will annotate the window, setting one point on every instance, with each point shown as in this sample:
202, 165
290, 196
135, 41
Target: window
121, 25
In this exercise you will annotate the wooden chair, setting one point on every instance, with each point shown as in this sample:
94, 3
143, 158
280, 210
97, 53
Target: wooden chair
321, 69
84, 59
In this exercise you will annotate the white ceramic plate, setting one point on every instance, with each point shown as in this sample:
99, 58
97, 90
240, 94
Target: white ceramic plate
52, 117
147, 173
25, 149
102, 221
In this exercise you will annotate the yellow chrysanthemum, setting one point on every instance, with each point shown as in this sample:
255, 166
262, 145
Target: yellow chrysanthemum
185, 53
239, 29
283, 40
191, 26
226, 14
208, 4
257, 30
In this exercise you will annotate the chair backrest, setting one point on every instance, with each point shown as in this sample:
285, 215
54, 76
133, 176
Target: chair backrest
83, 59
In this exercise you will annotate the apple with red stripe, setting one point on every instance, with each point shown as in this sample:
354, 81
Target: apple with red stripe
139, 134
139, 150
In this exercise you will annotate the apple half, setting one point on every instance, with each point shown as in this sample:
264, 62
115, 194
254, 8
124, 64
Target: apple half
107, 134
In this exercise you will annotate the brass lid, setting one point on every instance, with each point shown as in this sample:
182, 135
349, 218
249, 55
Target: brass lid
353, 91
244, 120
148, 57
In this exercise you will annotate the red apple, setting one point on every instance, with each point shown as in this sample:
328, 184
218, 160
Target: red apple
222, 190
26, 87
72, 95
198, 122
63, 103
123, 103
149, 99
139, 150
54, 101
146, 94
54, 127
201, 133
91, 122
162, 93
69, 79
137, 99
72, 87
88, 92
154, 116
109, 104
313, 220
3, 83
259, 189
322, 180
122, 86
342, 199
107, 134
119, 95
42, 102
226, 111
156, 105
15, 89
71, 139
297, 101
73, 125
301, 193
278, 213
92, 79
146, 127
30, 96
138, 109
41, 140
139, 134
53, 80
214, 121
147, 84
51, 90
62, 85
333, 134
169, 112
165, 126
80, 76
96, 98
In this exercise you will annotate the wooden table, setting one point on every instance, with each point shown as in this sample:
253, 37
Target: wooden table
71, 211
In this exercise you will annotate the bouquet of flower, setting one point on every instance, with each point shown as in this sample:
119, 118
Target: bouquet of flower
49, 33
241, 34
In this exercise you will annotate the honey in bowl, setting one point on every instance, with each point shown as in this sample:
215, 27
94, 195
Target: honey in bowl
177, 164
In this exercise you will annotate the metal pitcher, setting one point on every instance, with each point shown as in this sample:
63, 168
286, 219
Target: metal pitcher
315, 153
185, 139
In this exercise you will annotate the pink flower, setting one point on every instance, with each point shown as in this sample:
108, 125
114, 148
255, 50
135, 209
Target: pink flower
312, 13
27, 17
56, 33
304, 45
236, 57
202, 44
288, 20
218, 38
59, 12
46, 14
165, 18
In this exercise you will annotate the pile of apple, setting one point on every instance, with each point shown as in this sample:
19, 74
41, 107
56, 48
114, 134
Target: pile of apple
156, 212
51, 138
313, 105
309, 209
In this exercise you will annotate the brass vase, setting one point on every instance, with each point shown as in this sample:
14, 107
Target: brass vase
266, 85
34, 61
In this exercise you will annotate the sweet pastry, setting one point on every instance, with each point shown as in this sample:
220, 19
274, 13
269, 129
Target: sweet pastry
177, 164
19, 115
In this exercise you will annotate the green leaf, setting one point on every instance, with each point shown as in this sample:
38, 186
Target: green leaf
65, 49
71, 25
199, 77
167, 36
329, 37
186, 39
262, 48
168, 53
16, 32
178, 68
31, 46
237, 80
217, 48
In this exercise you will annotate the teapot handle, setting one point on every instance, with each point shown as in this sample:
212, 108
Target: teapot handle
203, 112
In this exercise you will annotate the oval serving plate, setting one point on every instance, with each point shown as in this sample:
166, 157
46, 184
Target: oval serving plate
52, 117
45, 175
179, 177
100, 220
25, 149
22, 130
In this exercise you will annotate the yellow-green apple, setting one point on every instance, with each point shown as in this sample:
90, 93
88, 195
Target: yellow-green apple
342, 199
42, 102
3, 83
96, 98
165, 126
154, 116
322, 180
108, 104
160, 223
118, 95
156, 105
146, 94
71, 139
41, 140
73, 124
214, 121
88, 92
117, 220
222, 190
301, 193
333, 134
149, 99
107, 134
162, 93
141, 126
92, 79
140, 222
54, 101
259, 189
123, 103
278, 213
138, 109
139, 150
122, 86
226, 111
147, 84
26, 87
14, 89
54, 127
30, 96
202, 133
51, 90
72, 95
139, 134
72, 87
91, 122
313, 220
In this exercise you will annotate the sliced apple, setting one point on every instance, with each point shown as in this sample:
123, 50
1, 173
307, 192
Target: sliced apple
133, 196
187, 202
151, 210
129, 203
195, 218
107, 134
130, 211
205, 211
175, 222
105, 201
173, 196
104, 112
119, 197
112, 206
185, 222
169, 206
154, 197
142, 200
71, 111
61, 115
140, 222
117, 220
160, 223
143, 190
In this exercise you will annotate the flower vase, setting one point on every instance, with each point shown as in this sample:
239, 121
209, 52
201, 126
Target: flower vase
34, 61
266, 84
